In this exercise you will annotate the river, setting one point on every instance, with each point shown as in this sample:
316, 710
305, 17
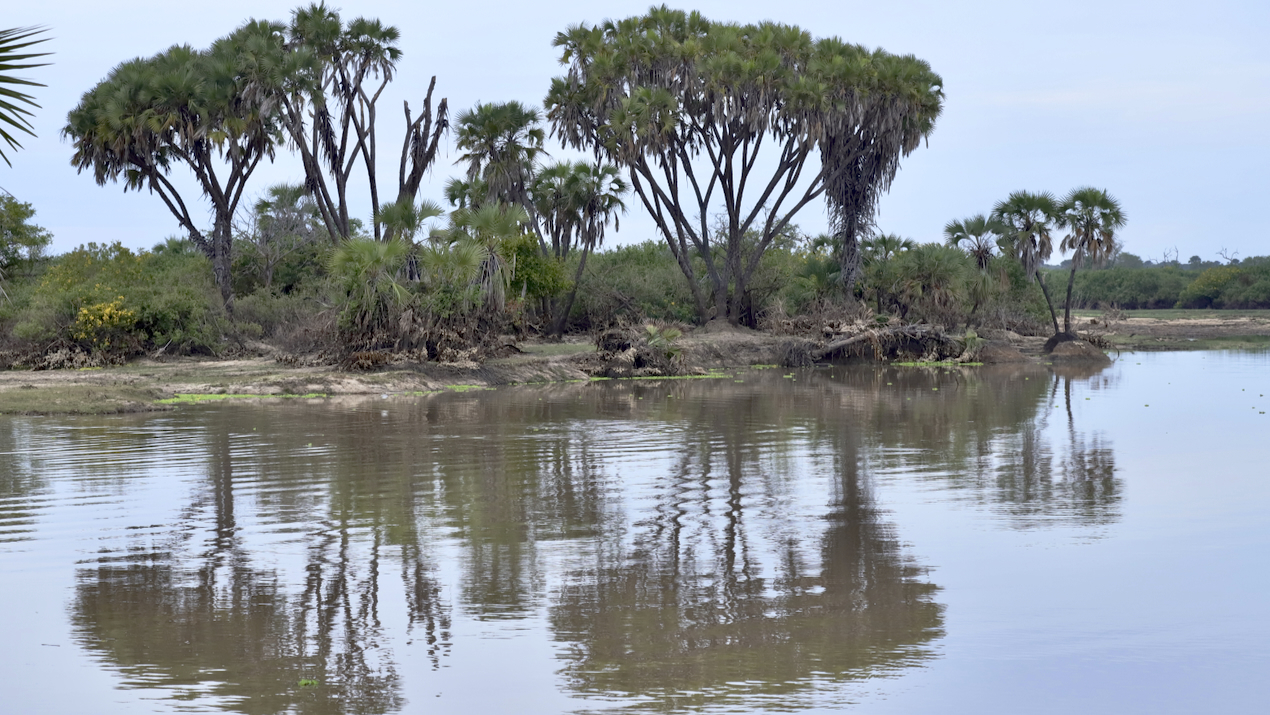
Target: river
859, 538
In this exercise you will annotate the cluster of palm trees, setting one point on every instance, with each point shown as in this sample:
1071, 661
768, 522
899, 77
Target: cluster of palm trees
515, 224
1022, 226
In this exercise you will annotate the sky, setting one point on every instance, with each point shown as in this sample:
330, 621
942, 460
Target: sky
1164, 104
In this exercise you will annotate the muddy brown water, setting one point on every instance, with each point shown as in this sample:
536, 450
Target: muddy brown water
857, 538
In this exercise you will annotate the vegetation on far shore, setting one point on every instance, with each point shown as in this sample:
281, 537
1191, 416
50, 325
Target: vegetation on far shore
519, 249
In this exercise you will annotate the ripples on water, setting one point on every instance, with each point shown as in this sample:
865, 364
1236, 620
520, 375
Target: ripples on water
651, 545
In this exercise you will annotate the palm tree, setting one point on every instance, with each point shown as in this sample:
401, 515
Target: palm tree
1026, 219
1092, 216
931, 276
980, 235
367, 271
576, 202
15, 56
490, 227
202, 110
402, 219
501, 144
878, 254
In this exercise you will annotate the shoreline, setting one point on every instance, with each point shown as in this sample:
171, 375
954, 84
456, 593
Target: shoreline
150, 385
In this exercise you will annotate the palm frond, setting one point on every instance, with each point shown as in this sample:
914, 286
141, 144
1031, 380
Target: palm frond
15, 56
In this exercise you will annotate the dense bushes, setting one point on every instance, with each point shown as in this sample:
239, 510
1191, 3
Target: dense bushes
1131, 288
632, 283
1229, 287
455, 293
1171, 286
109, 301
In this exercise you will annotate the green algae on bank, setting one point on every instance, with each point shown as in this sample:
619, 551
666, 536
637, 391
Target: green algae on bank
78, 399
467, 388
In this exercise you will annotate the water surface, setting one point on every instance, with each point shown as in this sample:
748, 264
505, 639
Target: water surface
876, 539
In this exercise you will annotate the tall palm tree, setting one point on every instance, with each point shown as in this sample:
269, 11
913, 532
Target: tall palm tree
15, 55
200, 109
1027, 219
501, 145
1092, 217
577, 201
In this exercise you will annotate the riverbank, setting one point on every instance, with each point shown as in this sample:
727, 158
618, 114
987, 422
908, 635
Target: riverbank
1178, 329
147, 384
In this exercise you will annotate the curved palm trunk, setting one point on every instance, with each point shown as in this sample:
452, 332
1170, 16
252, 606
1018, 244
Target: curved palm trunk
1040, 278
563, 318
1067, 306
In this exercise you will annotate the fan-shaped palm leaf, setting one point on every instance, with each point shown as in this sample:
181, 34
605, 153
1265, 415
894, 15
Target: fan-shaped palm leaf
15, 56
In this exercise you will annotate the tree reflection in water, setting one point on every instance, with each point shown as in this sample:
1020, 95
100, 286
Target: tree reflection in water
691, 542
201, 620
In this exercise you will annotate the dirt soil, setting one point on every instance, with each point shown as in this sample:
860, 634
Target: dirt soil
1181, 330
140, 385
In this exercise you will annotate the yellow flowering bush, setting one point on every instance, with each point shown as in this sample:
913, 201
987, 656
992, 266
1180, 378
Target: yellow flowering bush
104, 325
116, 303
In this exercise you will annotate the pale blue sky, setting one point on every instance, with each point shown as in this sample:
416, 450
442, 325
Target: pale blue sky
1164, 104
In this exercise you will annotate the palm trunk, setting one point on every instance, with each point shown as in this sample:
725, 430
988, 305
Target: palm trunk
849, 262
1071, 280
563, 319
1040, 278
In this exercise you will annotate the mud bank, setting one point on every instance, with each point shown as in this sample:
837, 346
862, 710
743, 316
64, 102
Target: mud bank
151, 385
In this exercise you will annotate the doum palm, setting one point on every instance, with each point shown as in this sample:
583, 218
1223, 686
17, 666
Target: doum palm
1092, 218
1026, 219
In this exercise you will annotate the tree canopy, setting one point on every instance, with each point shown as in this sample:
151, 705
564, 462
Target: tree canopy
687, 104
183, 107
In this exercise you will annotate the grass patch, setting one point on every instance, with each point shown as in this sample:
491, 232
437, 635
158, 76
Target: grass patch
936, 364
1180, 314
77, 400
467, 388
1229, 342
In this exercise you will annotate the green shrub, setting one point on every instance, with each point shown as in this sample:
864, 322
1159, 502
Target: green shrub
1130, 288
109, 300
1207, 290
534, 275
633, 283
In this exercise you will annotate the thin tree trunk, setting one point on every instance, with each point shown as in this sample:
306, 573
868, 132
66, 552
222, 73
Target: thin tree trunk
1040, 278
1067, 306
563, 318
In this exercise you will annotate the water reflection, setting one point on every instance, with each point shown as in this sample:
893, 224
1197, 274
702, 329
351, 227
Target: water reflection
717, 599
685, 544
21, 485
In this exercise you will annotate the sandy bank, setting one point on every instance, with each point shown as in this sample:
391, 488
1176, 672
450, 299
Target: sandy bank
143, 384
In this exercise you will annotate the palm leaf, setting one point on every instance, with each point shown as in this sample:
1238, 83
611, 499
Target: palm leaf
14, 58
